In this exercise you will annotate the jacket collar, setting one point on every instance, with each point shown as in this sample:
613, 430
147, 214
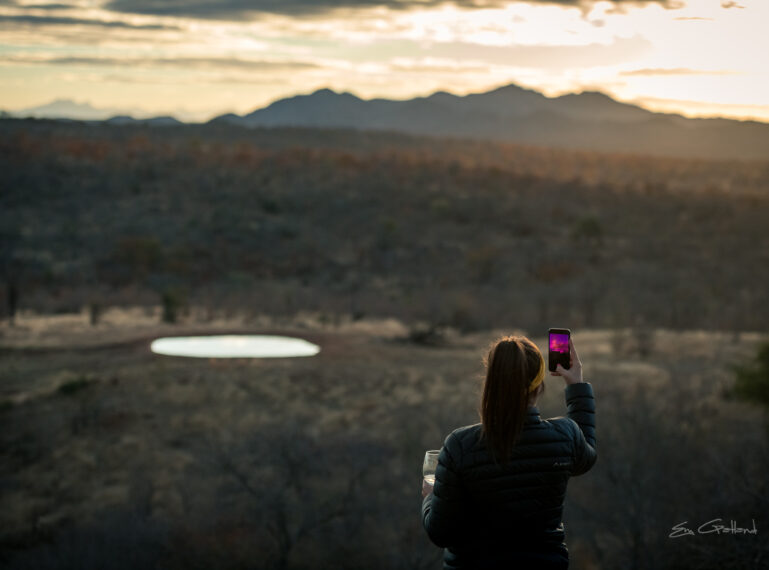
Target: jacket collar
532, 415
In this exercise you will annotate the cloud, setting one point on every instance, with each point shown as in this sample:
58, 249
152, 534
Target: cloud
671, 4
693, 19
27, 19
727, 4
50, 6
703, 108
262, 80
205, 63
551, 57
410, 65
674, 71
251, 9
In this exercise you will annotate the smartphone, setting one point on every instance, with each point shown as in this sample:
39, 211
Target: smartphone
558, 348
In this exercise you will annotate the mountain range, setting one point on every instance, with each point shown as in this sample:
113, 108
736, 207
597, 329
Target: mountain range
67, 109
587, 120
80, 111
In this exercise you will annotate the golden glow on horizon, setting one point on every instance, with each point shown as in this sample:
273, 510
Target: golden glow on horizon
701, 59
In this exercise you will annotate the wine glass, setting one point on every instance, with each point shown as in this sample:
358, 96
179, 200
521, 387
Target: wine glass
429, 465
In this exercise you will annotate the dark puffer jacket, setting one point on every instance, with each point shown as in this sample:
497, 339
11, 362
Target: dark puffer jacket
490, 515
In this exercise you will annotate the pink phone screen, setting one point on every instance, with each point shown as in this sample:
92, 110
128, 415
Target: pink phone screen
559, 343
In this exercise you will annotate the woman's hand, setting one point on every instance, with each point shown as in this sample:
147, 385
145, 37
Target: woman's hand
426, 488
574, 374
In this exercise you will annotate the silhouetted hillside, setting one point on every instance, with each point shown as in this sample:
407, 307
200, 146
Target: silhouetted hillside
590, 121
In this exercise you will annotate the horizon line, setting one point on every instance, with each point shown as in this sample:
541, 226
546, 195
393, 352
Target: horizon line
140, 114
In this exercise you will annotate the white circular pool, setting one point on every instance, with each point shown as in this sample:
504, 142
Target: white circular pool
234, 346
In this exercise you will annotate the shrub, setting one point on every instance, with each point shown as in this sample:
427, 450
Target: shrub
173, 301
142, 254
94, 313
77, 384
588, 229
427, 334
481, 262
752, 383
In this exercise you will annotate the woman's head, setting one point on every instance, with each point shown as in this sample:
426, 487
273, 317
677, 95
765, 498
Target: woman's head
515, 372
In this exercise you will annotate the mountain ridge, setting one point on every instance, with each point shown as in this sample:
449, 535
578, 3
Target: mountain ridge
588, 120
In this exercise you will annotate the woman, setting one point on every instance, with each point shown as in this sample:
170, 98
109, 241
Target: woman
500, 484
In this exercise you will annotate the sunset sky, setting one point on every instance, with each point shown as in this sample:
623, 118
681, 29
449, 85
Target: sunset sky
200, 58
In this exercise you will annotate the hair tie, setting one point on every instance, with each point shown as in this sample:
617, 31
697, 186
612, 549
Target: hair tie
540, 375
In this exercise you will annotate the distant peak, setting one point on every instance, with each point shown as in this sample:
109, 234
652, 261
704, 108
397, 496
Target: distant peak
69, 103
511, 88
587, 95
328, 93
597, 94
441, 95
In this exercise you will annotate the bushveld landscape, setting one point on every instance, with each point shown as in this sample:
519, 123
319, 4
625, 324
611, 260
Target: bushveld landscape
402, 258
450, 232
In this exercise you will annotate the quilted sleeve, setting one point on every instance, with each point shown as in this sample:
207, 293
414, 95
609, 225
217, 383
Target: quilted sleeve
580, 404
443, 510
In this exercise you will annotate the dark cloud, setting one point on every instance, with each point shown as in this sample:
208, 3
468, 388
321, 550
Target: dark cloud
250, 9
50, 6
207, 63
6, 20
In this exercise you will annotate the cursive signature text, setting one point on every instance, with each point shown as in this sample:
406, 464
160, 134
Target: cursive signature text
711, 527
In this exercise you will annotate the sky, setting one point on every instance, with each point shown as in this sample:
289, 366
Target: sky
196, 59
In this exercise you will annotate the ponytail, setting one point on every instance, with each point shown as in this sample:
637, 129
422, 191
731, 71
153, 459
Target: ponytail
513, 366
